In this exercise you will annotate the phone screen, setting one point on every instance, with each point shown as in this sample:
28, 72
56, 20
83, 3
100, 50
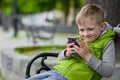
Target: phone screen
73, 40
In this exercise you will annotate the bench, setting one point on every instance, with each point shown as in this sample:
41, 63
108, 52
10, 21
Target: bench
44, 66
41, 33
38, 27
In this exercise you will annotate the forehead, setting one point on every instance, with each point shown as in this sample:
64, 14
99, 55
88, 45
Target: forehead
88, 20
88, 23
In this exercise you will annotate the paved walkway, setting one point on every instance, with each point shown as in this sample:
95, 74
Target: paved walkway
8, 41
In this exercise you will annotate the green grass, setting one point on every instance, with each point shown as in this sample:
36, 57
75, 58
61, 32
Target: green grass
1, 77
37, 49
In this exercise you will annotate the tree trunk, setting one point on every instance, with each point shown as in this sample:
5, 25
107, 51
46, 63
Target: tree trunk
111, 8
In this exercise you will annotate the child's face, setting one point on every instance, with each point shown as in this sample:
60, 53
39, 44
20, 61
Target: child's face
90, 32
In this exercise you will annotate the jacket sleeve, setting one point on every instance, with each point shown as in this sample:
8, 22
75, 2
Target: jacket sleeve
61, 55
106, 66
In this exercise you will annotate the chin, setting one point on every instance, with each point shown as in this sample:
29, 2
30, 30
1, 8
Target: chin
89, 41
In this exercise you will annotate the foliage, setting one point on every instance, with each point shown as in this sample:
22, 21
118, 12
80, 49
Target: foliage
66, 5
34, 6
37, 6
6, 6
27, 6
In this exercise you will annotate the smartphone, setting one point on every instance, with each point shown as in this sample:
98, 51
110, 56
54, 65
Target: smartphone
73, 40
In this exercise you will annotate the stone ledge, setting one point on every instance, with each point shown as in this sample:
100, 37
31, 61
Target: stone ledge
14, 64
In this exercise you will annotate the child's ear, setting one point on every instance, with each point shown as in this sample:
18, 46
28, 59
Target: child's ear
103, 26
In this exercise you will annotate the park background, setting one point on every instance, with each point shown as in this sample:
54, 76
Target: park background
21, 20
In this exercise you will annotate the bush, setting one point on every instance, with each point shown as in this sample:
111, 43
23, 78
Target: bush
36, 49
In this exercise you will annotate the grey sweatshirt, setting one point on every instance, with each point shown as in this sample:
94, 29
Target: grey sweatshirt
106, 66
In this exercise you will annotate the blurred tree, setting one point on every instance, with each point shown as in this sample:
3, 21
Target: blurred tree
77, 6
5, 6
27, 6
15, 18
67, 5
111, 8
35, 6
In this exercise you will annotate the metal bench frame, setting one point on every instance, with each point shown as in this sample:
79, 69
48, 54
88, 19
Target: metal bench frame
43, 66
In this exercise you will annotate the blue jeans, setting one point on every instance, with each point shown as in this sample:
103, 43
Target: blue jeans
48, 75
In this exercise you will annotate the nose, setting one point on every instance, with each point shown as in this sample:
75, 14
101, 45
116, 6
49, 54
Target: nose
86, 33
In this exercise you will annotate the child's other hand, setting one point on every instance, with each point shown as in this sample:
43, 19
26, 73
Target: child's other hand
83, 50
70, 49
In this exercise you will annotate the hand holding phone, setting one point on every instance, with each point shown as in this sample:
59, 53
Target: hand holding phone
73, 40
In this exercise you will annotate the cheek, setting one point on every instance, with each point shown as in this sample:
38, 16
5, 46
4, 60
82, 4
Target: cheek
97, 33
81, 33
94, 32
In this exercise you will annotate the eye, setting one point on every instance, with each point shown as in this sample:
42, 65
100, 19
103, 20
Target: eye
90, 29
81, 30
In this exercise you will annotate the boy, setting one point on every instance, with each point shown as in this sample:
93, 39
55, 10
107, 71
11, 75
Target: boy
94, 58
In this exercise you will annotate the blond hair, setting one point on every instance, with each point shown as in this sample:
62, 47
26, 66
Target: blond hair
92, 12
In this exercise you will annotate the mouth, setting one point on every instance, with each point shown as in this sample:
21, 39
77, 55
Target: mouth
89, 38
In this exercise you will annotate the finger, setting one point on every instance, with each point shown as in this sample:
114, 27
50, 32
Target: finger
80, 42
70, 49
69, 45
67, 41
76, 48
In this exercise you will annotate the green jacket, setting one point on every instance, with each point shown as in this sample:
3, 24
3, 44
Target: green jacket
76, 68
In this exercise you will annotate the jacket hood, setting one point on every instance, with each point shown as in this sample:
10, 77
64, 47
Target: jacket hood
108, 27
